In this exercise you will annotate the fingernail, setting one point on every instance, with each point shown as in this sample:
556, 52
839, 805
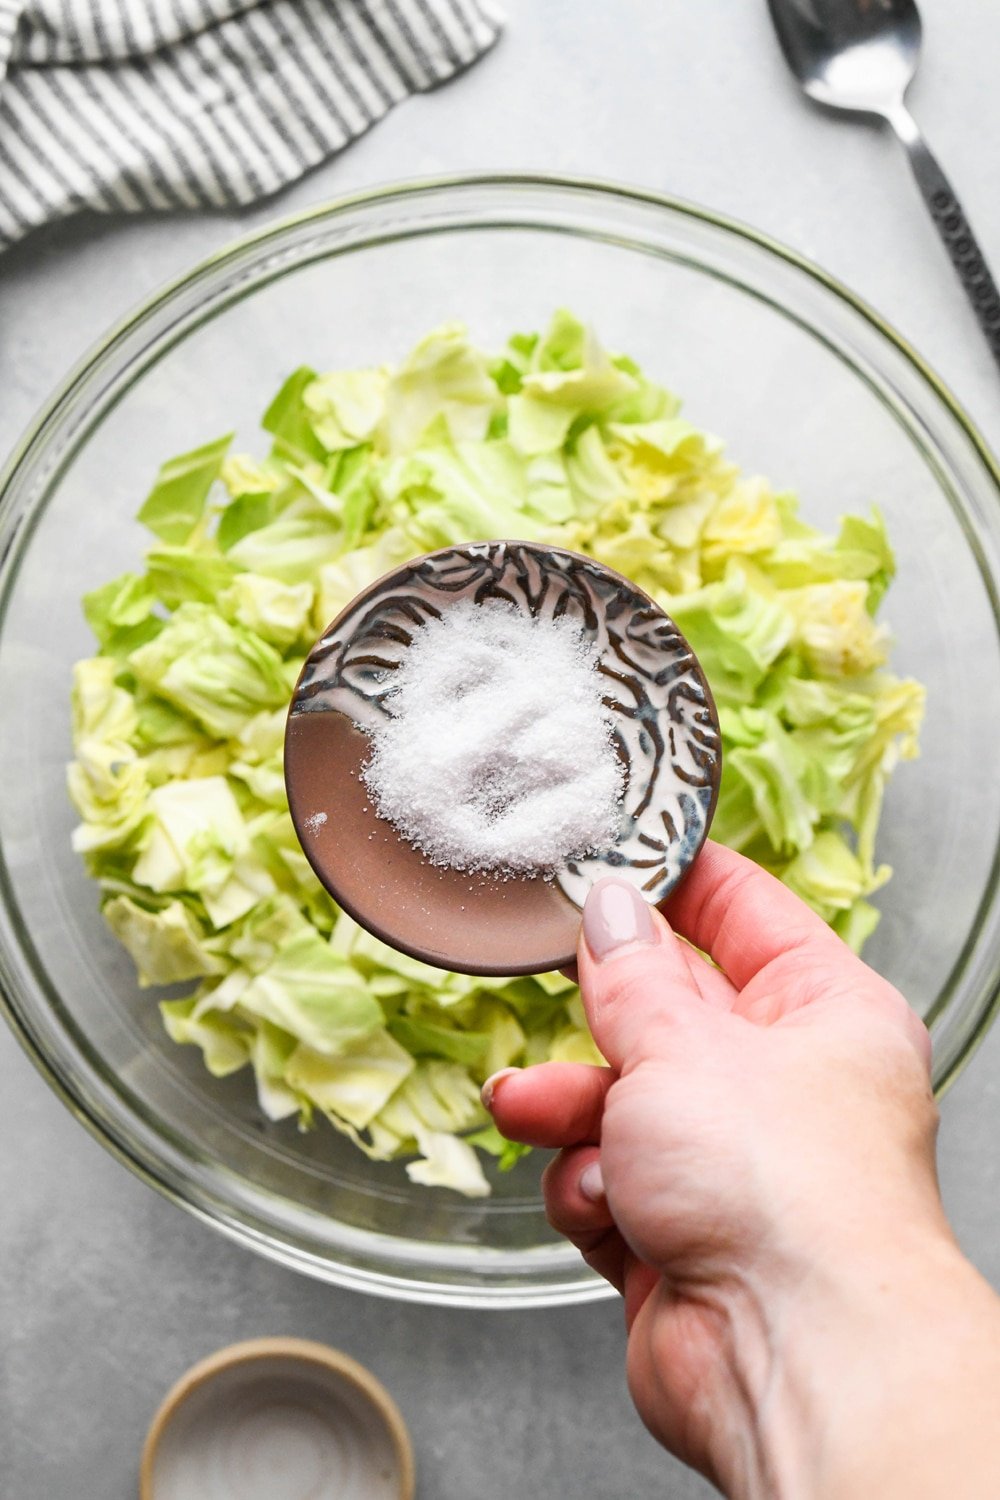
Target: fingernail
489, 1087
591, 1182
614, 916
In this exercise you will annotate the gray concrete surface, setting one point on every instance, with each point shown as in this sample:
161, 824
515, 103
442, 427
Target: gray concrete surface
108, 1292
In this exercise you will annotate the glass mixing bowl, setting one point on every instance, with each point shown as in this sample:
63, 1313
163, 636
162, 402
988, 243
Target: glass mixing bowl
806, 384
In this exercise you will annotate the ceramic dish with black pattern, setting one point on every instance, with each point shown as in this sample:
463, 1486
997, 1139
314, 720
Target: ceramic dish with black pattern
665, 732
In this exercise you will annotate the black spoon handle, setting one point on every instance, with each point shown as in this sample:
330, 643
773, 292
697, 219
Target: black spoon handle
954, 229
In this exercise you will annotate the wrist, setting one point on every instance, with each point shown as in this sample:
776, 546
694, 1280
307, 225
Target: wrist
860, 1377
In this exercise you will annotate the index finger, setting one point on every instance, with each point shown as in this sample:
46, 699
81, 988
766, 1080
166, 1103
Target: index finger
741, 916
550, 1104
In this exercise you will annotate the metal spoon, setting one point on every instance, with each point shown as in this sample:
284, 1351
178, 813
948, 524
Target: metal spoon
860, 55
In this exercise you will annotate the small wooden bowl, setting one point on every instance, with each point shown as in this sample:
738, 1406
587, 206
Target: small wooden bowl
276, 1419
665, 729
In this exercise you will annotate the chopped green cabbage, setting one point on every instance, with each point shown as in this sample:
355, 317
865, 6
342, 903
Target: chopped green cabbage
178, 719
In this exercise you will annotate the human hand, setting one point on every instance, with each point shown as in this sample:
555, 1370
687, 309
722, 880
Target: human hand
757, 1155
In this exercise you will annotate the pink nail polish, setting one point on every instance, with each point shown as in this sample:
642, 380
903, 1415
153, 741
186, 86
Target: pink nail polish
614, 916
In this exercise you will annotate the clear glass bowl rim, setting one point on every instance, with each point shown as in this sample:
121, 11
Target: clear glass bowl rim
74, 388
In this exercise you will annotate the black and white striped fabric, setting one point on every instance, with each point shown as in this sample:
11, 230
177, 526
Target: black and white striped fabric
120, 105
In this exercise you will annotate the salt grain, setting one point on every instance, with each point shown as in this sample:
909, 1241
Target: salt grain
497, 752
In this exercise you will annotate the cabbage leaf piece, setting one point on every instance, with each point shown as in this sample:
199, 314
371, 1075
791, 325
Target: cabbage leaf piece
176, 503
219, 673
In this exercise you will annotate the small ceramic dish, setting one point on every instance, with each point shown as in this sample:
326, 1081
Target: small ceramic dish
665, 731
277, 1419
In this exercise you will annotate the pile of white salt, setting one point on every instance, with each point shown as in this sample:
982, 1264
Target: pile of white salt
497, 752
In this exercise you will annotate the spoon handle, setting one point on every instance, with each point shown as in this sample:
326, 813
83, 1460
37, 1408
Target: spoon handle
953, 227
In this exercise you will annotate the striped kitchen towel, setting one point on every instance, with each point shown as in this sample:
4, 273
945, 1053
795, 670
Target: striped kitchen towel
120, 105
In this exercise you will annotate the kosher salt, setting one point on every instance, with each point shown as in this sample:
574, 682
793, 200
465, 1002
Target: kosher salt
497, 752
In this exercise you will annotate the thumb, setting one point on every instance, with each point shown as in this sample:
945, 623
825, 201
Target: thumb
637, 987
